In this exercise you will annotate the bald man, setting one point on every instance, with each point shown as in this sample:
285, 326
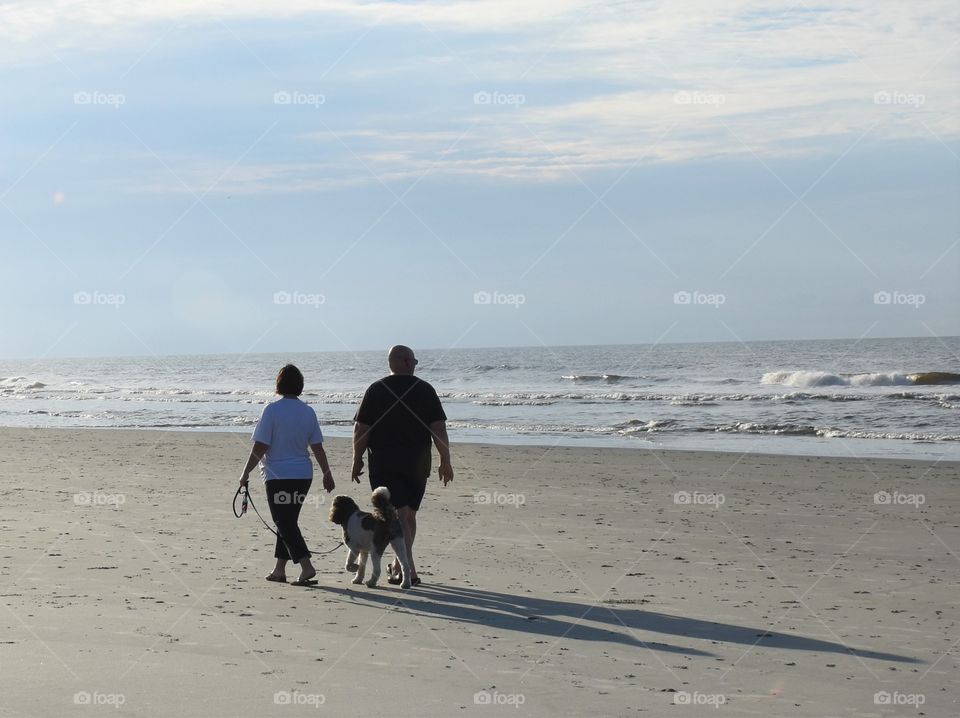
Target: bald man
397, 419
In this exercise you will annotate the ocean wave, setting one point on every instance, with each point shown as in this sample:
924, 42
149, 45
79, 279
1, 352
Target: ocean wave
19, 383
808, 379
596, 378
638, 426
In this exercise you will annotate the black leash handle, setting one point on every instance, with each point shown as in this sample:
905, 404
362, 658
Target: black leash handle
243, 506
244, 493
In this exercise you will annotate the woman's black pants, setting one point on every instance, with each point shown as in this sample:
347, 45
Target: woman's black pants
286, 497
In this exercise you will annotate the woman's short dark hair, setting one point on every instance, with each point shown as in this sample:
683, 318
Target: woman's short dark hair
289, 381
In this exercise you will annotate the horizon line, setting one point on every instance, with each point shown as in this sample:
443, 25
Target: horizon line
473, 348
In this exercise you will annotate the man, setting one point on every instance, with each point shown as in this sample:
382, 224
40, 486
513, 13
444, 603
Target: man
397, 418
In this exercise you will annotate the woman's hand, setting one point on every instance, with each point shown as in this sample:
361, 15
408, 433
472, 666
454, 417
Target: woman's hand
328, 483
357, 469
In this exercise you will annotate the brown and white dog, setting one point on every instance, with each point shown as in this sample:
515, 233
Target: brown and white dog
370, 534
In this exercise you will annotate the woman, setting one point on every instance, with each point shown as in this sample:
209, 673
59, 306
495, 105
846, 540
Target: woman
285, 430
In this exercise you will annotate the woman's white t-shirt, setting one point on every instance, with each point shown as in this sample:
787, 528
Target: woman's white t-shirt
289, 428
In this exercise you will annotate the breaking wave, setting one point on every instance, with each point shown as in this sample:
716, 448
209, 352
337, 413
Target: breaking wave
809, 379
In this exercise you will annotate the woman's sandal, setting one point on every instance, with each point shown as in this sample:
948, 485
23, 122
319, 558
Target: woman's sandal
308, 581
277, 579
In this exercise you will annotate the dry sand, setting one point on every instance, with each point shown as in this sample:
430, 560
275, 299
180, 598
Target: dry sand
581, 588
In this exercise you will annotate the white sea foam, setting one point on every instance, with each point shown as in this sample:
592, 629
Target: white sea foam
810, 379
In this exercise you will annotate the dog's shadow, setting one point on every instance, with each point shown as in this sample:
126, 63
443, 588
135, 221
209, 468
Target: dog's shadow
569, 619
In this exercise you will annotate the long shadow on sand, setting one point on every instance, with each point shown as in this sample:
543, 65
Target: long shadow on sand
547, 617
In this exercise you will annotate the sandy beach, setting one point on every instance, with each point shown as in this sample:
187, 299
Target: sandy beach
557, 581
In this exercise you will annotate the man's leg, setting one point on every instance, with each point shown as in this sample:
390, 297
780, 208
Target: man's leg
408, 520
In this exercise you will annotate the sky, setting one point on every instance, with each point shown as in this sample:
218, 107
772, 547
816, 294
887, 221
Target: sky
250, 176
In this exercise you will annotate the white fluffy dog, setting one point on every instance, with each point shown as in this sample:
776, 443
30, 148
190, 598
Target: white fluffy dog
370, 534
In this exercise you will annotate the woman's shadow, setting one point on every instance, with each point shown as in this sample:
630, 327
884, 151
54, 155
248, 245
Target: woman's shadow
567, 619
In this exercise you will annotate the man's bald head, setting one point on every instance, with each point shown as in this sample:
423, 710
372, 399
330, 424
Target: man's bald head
401, 360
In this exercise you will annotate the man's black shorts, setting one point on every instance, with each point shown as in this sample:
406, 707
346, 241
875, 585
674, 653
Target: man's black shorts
405, 488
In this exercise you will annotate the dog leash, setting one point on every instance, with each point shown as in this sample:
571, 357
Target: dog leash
244, 494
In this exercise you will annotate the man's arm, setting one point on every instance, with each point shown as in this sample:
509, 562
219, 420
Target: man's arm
440, 439
361, 438
256, 456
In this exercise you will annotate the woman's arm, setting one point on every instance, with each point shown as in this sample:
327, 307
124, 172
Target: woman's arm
257, 453
321, 455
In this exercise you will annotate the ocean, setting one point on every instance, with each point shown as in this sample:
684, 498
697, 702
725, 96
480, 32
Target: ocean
867, 398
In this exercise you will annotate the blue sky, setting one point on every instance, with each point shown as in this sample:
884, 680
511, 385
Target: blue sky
333, 175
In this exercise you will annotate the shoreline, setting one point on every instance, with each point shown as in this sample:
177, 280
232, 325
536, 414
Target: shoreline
573, 444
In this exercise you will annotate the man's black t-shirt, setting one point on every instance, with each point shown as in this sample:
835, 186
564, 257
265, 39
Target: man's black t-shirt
399, 410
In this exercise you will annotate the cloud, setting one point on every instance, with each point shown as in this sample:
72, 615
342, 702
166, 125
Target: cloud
603, 85
56, 21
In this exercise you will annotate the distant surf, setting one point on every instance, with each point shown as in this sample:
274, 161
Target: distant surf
809, 379
874, 397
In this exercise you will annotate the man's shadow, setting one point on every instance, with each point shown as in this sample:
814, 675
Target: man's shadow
547, 617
